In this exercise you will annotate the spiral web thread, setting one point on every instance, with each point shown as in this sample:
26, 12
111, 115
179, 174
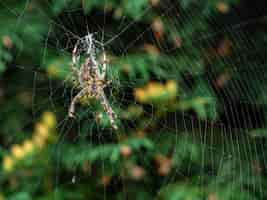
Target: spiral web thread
226, 145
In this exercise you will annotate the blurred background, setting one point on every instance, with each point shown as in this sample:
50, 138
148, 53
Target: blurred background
188, 86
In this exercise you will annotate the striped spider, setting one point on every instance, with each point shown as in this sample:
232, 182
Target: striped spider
88, 77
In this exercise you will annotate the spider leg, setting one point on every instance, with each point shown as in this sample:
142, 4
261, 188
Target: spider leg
75, 72
83, 45
107, 83
89, 43
104, 65
75, 59
74, 101
104, 69
76, 53
111, 114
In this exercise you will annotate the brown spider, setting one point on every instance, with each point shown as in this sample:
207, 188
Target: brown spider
90, 80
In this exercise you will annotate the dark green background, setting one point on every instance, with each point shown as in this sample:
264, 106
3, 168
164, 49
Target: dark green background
217, 149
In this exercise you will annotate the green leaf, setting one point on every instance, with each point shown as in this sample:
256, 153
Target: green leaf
181, 192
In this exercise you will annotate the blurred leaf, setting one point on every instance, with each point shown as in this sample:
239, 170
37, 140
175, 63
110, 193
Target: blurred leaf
181, 192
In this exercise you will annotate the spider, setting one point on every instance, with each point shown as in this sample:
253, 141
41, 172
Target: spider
90, 79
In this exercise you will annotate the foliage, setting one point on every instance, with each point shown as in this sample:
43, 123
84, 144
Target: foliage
188, 86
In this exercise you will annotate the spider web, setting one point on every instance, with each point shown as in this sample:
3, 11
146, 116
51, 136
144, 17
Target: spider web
218, 151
